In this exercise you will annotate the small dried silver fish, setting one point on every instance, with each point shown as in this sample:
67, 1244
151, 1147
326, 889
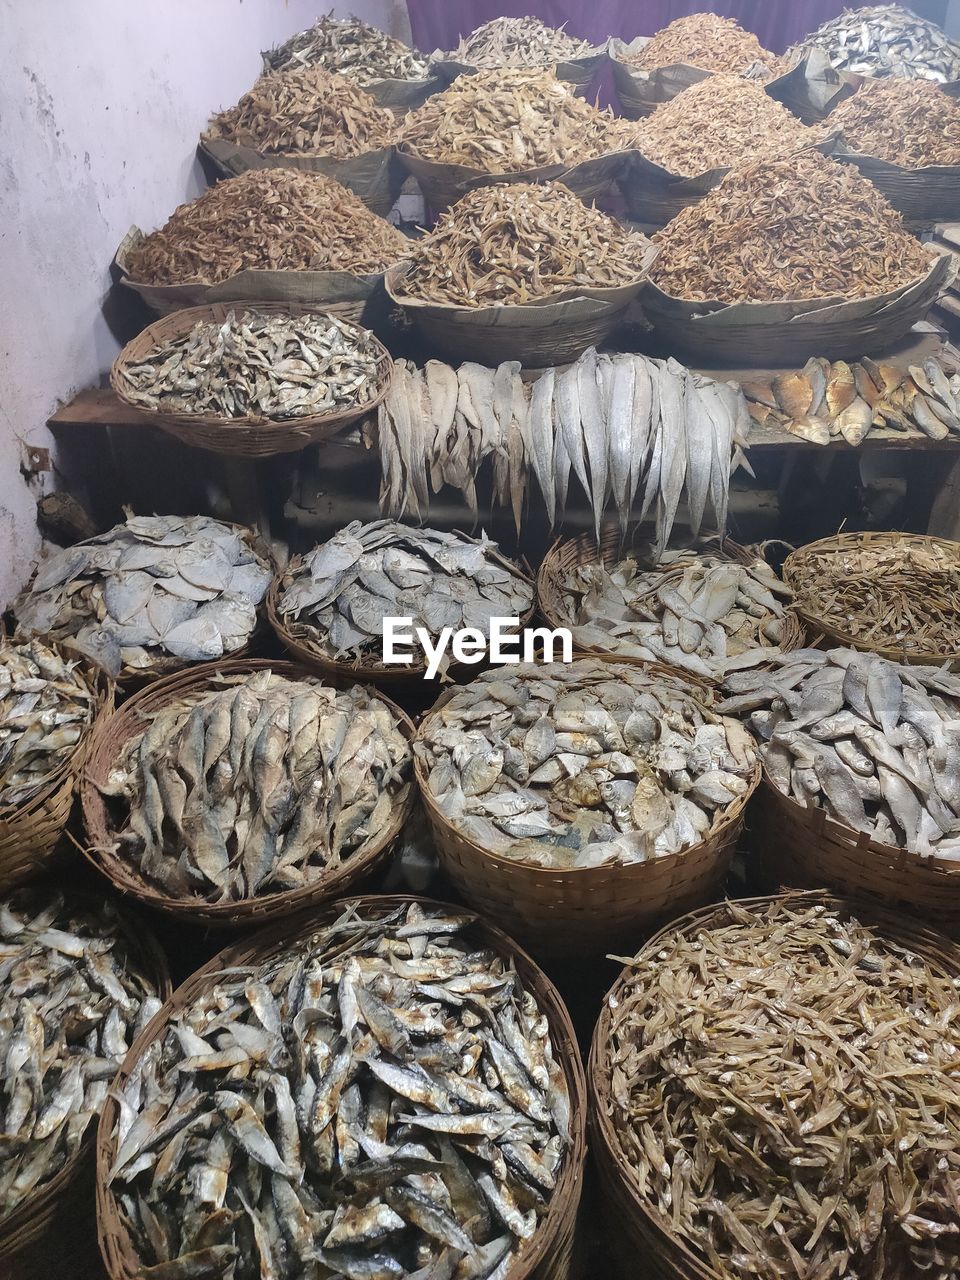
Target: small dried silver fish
518, 42
884, 40
350, 47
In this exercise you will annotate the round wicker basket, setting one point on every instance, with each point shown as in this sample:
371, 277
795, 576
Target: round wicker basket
23, 1230
101, 832
546, 1256
926, 195
798, 566
239, 437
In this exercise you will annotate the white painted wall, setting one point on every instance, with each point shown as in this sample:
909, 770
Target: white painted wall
101, 104
952, 22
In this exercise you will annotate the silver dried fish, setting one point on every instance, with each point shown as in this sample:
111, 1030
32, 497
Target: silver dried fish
518, 42
884, 40
351, 47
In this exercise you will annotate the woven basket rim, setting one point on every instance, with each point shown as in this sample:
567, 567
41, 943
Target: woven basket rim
904, 172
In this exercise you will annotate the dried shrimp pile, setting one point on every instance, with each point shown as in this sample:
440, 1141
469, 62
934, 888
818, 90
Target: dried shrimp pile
520, 243
308, 112
708, 41
351, 47
795, 228
518, 42
911, 123
783, 1088
884, 40
267, 220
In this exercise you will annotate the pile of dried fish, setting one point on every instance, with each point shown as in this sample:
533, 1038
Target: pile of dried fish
708, 41
699, 613
382, 1100
508, 121
259, 785
823, 400
519, 243
799, 227
911, 123
46, 706
152, 588
306, 111
257, 366
351, 47
885, 595
73, 998
784, 1092
874, 743
884, 40
719, 122
340, 593
583, 765
518, 42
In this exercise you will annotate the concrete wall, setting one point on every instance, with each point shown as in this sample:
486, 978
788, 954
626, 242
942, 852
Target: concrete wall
101, 104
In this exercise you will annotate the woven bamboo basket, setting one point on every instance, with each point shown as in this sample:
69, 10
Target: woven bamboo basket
812, 88
580, 72
584, 911
100, 826
640, 1235
566, 555
786, 333
375, 176
23, 1231
546, 1256
239, 437
929, 194
797, 566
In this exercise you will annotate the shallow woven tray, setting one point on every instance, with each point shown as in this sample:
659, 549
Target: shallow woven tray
794, 570
101, 829
638, 1235
25, 1228
584, 911
546, 1256
240, 437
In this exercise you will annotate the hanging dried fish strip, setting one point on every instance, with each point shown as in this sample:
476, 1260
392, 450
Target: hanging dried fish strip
719, 122
258, 366
73, 998
518, 42
308, 112
350, 47
708, 41
884, 40
338, 595
520, 243
151, 589
795, 228
508, 121
262, 786
267, 220
911, 123
380, 1100
583, 765
783, 1089
874, 743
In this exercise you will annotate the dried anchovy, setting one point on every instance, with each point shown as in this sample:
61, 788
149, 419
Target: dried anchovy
307, 112
382, 1100
46, 706
258, 787
351, 47
583, 765
151, 588
267, 220
518, 42
884, 40
719, 122
911, 123
339, 594
708, 41
258, 366
784, 1093
800, 227
507, 121
875, 744
512, 244
73, 998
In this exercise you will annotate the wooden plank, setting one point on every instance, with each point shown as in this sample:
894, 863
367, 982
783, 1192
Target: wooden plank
96, 407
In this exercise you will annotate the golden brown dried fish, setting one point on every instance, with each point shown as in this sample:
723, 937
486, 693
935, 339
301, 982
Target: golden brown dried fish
518, 42
911, 123
705, 40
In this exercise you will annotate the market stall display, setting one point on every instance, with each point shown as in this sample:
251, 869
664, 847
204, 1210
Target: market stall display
523, 42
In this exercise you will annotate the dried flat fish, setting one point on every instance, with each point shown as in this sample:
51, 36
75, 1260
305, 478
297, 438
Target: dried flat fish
379, 1100
708, 41
306, 111
582, 765
799, 227
259, 785
911, 123
884, 40
782, 1088
149, 590
350, 47
74, 995
258, 366
518, 42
